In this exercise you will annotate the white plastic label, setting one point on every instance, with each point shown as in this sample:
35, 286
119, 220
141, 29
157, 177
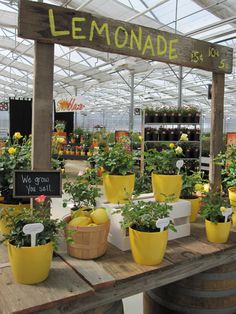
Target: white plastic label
179, 164
33, 229
162, 223
227, 213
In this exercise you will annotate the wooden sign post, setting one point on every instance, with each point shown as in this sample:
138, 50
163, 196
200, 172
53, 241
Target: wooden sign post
48, 24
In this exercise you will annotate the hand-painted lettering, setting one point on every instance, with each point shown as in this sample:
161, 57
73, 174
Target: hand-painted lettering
172, 50
148, 45
138, 40
100, 30
75, 29
119, 33
53, 27
161, 45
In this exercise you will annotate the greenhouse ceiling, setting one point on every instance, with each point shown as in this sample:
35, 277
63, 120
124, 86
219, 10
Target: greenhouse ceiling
104, 78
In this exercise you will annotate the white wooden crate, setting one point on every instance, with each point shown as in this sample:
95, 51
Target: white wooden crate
180, 215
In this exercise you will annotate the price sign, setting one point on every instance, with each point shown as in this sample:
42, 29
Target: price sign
33, 229
162, 223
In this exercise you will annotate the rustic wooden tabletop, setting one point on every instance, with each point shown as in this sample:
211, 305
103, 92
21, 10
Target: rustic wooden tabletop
80, 285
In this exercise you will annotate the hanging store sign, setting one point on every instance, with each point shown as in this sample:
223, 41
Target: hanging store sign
51, 24
3, 106
70, 104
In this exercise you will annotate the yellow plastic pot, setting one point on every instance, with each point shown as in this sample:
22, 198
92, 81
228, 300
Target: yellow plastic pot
118, 189
217, 233
166, 188
148, 248
195, 207
30, 265
232, 197
4, 207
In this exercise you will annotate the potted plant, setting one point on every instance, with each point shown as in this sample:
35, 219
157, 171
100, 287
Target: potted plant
149, 115
118, 176
60, 126
30, 242
217, 213
87, 227
192, 183
148, 224
165, 168
16, 155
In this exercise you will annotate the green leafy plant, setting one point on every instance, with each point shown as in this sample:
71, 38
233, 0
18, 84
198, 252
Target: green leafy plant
60, 125
164, 161
83, 191
142, 216
191, 184
213, 204
16, 223
115, 161
227, 160
142, 184
16, 155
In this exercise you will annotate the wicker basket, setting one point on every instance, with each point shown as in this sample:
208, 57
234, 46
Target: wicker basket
88, 242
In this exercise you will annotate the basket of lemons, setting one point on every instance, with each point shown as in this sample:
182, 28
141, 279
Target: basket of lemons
87, 232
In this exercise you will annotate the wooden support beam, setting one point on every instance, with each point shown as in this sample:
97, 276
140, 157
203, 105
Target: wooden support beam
42, 106
216, 138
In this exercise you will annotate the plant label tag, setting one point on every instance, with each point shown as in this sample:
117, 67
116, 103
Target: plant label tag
162, 223
33, 229
227, 213
179, 164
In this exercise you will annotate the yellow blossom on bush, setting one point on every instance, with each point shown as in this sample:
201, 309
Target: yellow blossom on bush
172, 145
17, 135
184, 137
223, 209
199, 187
178, 150
60, 140
12, 150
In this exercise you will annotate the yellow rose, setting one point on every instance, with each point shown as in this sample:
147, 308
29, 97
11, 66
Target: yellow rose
223, 209
12, 150
60, 140
178, 150
17, 135
184, 137
198, 187
171, 145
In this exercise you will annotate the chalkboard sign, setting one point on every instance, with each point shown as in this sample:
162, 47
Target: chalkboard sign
34, 183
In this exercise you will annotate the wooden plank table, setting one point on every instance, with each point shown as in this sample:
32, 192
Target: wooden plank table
75, 286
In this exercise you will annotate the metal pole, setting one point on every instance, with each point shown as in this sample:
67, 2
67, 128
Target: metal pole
131, 110
75, 113
180, 87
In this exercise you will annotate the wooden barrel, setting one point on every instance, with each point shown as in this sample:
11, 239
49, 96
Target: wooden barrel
111, 308
210, 292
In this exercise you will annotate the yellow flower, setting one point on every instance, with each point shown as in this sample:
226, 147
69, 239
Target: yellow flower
171, 145
184, 137
60, 152
12, 150
178, 150
223, 209
17, 135
60, 140
198, 187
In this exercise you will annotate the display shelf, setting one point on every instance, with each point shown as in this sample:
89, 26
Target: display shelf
163, 141
171, 123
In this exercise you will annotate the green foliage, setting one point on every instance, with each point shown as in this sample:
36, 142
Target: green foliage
189, 184
212, 204
142, 216
227, 160
116, 161
142, 184
16, 223
83, 191
16, 155
162, 162
60, 125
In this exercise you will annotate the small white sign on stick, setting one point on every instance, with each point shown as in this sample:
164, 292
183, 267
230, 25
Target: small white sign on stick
33, 229
179, 164
227, 213
162, 223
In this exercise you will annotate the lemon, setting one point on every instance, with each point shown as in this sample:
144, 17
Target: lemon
80, 221
92, 225
99, 216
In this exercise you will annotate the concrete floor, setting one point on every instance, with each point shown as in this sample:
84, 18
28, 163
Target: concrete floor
133, 304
